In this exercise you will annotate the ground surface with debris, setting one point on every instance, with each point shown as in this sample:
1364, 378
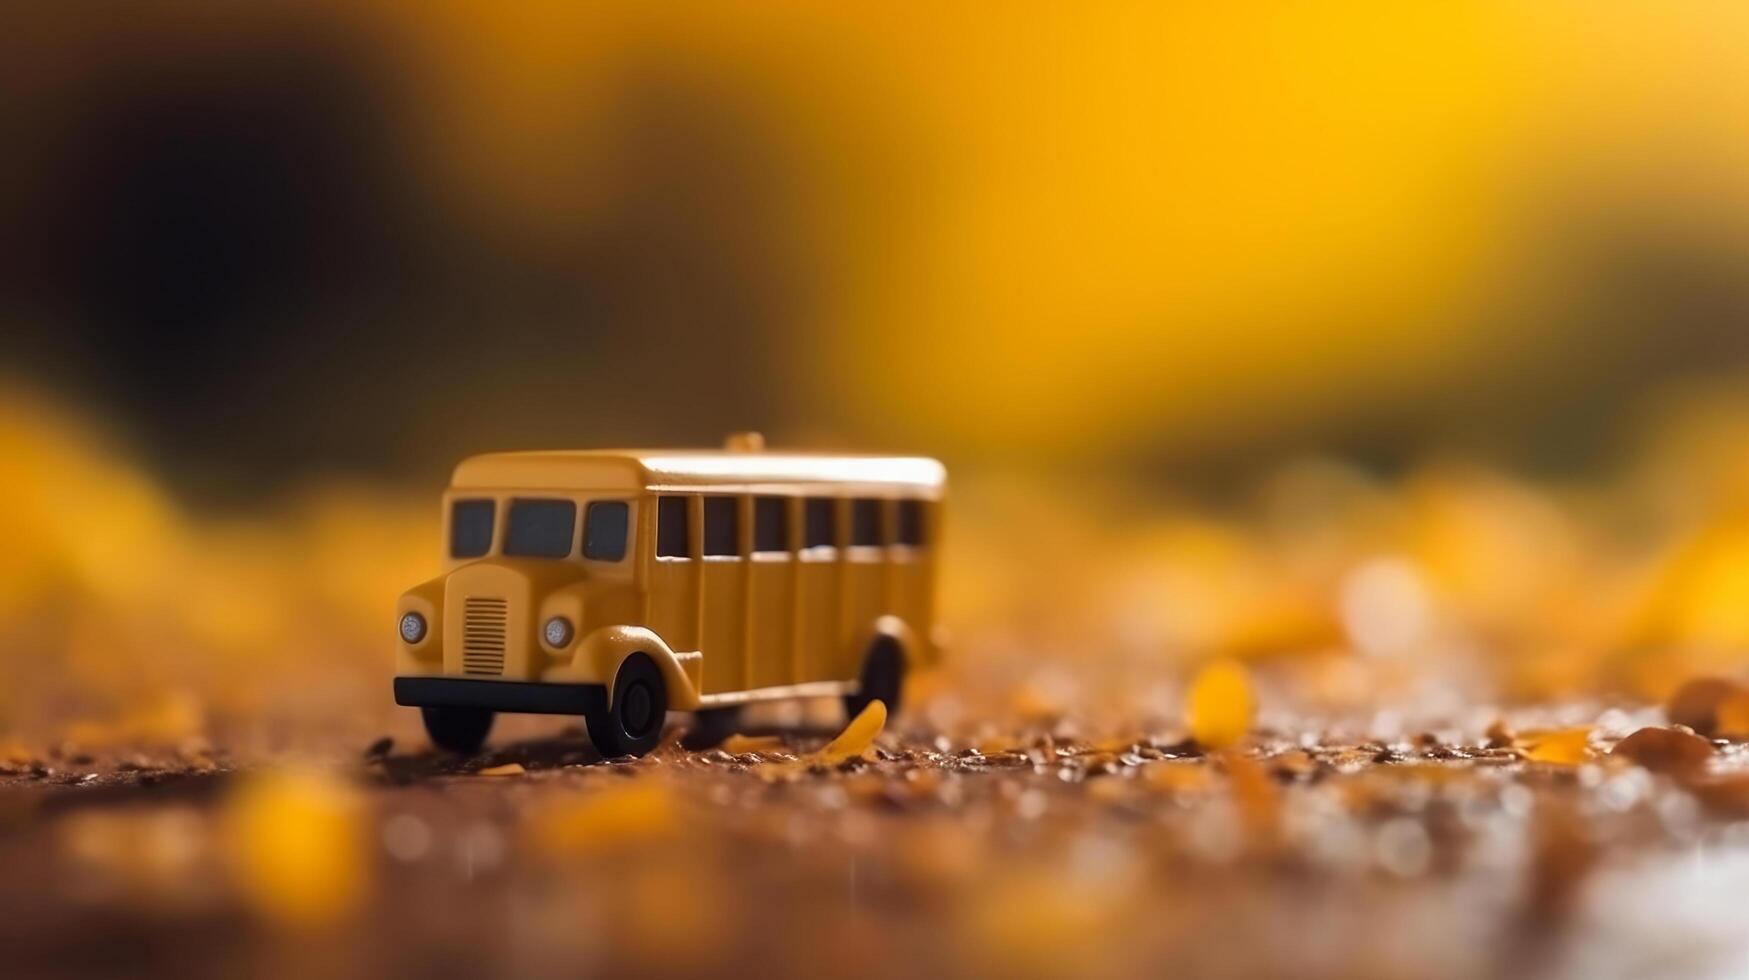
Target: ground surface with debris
1443, 724
1583, 849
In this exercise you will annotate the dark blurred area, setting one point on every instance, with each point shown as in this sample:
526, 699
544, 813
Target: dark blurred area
223, 240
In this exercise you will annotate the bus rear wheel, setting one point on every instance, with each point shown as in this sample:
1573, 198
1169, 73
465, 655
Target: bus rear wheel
631, 723
457, 729
882, 678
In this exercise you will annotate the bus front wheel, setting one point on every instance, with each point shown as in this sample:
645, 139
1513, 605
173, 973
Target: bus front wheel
457, 729
882, 678
631, 723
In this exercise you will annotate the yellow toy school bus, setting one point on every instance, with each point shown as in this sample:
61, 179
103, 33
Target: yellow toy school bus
620, 585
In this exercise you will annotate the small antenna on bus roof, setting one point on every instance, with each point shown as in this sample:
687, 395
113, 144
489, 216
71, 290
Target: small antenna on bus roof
744, 442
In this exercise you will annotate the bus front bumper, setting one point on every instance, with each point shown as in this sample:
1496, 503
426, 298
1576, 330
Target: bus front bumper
519, 696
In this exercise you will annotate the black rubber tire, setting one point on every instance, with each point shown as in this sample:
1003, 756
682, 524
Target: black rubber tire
711, 725
882, 678
459, 730
631, 724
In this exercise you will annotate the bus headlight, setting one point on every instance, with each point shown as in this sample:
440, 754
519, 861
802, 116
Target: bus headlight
412, 627
557, 632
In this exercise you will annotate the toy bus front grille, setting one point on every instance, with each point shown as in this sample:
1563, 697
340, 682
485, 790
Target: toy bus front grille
484, 624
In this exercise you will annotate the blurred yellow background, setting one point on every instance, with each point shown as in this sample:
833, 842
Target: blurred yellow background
1402, 337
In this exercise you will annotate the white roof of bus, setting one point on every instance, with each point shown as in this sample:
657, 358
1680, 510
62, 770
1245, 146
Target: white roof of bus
665, 469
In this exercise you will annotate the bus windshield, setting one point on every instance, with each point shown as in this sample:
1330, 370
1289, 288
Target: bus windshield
540, 528
470, 528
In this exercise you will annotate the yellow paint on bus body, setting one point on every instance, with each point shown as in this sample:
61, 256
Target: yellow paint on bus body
764, 575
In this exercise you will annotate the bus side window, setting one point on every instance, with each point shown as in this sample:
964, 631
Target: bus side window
770, 525
909, 529
817, 523
865, 522
721, 527
671, 530
605, 523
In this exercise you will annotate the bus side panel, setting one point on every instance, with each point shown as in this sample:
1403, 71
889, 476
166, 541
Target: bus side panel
865, 600
673, 602
818, 594
771, 587
907, 589
723, 607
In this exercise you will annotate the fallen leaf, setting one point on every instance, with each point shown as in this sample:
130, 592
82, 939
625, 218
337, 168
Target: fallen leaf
507, 769
1220, 707
856, 738
1559, 746
1665, 750
1696, 703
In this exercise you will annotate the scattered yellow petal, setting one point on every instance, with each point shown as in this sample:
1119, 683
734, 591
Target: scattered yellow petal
591, 823
295, 842
507, 769
742, 744
856, 738
1221, 705
1560, 746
